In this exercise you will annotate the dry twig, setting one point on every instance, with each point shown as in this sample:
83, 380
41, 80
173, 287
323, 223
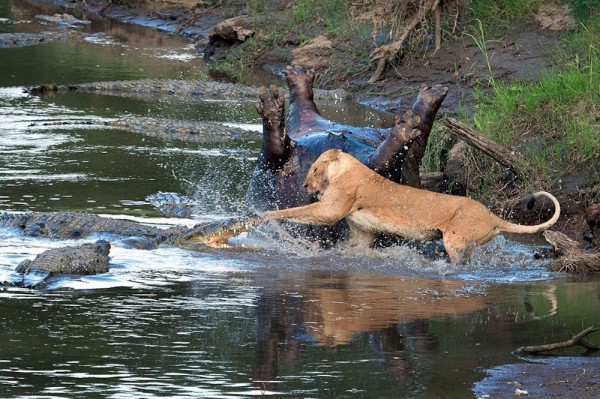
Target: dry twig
576, 340
487, 146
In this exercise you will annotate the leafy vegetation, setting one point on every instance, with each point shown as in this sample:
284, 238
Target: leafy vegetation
553, 123
501, 15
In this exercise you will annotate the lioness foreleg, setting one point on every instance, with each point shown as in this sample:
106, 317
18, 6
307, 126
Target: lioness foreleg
316, 213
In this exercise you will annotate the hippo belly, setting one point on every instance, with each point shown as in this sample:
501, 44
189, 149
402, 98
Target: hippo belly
284, 188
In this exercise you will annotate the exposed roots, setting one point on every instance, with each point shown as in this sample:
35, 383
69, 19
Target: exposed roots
571, 258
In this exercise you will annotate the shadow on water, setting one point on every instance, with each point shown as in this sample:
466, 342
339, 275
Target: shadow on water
268, 317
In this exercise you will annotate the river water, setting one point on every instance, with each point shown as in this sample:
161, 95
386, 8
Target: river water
267, 318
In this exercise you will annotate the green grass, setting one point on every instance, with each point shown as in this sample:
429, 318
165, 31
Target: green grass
499, 16
553, 123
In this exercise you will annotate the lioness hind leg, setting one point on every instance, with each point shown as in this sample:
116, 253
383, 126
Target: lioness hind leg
359, 237
458, 248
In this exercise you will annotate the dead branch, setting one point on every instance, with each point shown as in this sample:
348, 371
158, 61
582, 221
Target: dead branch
576, 340
488, 147
438, 28
387, 52
571, 258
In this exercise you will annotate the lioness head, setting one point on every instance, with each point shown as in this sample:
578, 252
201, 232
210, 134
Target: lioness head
320, 173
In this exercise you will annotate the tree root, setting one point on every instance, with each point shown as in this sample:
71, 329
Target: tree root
571, 258
578, 339
387, 52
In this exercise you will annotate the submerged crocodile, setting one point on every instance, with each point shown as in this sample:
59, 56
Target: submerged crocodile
192, 131
20, 39
157, 88
93, 258
180, 90
171, 204
85, 259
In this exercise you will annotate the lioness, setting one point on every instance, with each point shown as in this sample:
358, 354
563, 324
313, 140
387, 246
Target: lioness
375, 205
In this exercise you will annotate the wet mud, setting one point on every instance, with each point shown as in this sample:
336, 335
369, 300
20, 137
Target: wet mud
559, 377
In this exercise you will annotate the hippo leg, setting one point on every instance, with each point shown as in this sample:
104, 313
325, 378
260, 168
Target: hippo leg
303, 116
276, 143
426, 107
398, 158
387, 158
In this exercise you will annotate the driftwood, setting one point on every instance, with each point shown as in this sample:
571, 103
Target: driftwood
387, 52
578, 339
570, 257
499, 153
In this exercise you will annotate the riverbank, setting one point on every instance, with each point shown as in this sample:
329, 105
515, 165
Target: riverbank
234, 35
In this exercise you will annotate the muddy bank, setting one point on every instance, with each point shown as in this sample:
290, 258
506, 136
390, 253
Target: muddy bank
459, 63
559, 377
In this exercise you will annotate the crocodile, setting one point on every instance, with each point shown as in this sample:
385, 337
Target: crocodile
75, 225
167, 129
85, 259
179, 90
20, 39
171, 204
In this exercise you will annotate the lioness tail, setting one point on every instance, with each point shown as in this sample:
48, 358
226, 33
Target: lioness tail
519, 228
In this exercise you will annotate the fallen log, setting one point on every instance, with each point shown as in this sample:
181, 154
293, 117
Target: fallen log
578, 339
499, 153
570, 257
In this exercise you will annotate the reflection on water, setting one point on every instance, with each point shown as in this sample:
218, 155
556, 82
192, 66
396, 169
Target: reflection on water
270, 317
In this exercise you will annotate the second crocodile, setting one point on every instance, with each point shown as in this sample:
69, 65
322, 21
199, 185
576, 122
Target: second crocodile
85, 259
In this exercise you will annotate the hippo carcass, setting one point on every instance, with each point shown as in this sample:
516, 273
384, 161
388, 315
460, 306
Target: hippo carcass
290, 146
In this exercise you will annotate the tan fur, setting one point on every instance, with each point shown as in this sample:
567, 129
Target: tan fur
375, 205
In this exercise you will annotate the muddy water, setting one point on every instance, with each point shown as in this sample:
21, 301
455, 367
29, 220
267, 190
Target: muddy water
268, 318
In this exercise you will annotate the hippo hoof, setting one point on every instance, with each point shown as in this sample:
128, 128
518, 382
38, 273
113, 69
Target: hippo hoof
406, 128
299, 78
432, 94
271, 106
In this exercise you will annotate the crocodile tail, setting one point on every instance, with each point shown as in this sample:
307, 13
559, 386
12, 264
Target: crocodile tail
519, 228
